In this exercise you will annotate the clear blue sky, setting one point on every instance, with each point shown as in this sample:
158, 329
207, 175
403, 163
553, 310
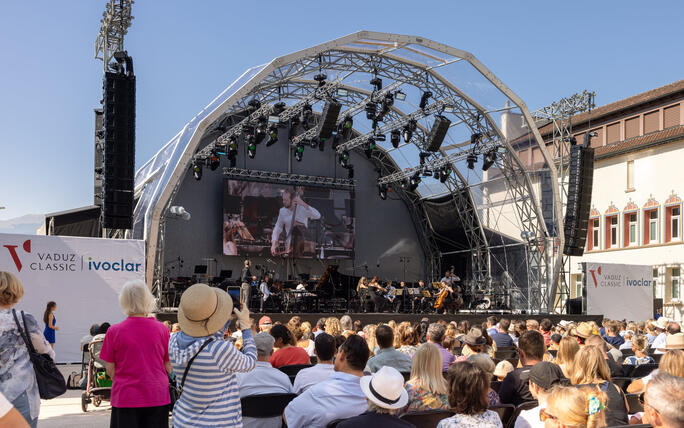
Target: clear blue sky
186, 52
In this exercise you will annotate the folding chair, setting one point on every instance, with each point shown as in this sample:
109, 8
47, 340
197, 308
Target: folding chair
265, 405
505, 412
426, 418
292, 370
524, 406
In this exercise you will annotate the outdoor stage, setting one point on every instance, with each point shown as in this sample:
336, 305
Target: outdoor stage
373, 318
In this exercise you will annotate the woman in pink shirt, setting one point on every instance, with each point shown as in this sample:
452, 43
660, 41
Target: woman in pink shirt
136, 352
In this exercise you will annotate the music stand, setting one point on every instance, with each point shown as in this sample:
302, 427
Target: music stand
200, 269
226, 274
413, 291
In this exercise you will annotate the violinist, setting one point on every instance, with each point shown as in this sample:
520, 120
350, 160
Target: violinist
362, 292
375, 291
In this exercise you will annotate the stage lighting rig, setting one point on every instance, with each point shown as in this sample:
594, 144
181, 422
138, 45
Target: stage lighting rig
344, 159
395, 138
475, 138
376, 82
414, 181
254, 104
471, 160
196, 170
409, 129
424, 99
307, 115
444, 173
387, 103
299, 152
278, 108
261, 129
382, 191
488, 159
214, 161
346, 127
272, 135
313, 143
371, 111
320, 78
423, 156
370, 146
251, 145
400, 96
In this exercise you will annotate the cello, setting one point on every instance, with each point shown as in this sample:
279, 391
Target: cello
443, 294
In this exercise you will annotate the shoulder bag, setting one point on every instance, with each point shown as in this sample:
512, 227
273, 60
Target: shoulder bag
50, 381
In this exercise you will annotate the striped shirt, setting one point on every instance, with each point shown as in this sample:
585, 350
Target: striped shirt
211, 396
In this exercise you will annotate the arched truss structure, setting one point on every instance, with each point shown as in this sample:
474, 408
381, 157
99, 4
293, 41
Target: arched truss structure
462, 89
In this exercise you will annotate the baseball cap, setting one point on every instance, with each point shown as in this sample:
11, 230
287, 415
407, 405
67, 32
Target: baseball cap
264, 343
265, 320
544, 374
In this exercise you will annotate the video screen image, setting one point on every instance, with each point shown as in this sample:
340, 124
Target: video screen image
278, 220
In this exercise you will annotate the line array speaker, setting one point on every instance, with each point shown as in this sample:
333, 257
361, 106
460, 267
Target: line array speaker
119, 150
328, 121
437, 133
581, 177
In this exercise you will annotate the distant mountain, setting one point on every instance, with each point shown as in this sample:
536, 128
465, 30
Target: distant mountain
26, 224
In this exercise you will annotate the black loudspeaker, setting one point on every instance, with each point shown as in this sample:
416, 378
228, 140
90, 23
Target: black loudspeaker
328, 122
437, 133
581, 177
119, 150
573, 306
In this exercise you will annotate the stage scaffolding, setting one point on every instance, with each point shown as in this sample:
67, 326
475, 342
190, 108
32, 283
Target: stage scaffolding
409, 67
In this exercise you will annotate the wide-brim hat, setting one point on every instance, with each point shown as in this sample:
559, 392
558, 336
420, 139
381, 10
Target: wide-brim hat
474, 337
583, 330
204, 310
673, 341
385, 388
661, 323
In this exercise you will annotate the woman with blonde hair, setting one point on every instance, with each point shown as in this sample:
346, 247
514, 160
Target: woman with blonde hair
17, 377
567, 350
567, 406
333, 326
640, 347
591, 369
369, 335
427, 389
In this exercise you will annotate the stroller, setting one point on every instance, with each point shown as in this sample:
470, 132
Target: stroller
98, 384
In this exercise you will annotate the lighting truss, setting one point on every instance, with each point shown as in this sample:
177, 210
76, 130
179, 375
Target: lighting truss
115, 22
435, 107
374, 97
290, 179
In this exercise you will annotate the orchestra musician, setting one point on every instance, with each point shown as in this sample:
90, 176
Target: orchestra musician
396, 301
449, 298
265, 293
375, 291
292, 218
362, 292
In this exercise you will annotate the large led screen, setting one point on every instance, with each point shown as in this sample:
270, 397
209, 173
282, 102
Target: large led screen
258, 221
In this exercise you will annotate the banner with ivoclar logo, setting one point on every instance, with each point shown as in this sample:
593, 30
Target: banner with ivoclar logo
619, 291
82, 275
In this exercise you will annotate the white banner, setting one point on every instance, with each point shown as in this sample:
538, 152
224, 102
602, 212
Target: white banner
82, 275
619, 291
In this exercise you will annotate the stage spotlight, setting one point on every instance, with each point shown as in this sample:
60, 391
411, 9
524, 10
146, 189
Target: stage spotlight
471, 160
294, 128
272, 135
370, 146
399, 95
307, 115
424, 99
344, 159
377, 83
313, 143
341, 92
320, 78
254, 104
299, 152
475, 138
488, 160
382, 190
347, 127
350, 172
395, 138
251, 146
278, 108
409, 129
427, 173
261, 129
371, 110
387, 103
214, 161
423, 156
414, 181
196, 170
444, 173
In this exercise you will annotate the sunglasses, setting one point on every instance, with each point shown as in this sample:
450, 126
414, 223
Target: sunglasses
544, 415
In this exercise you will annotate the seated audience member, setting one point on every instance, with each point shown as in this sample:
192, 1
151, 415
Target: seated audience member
473, 343
555, 342
347, 325
387, 355
612, 334
358, 326
385, 392
640, 347
567, 350
339, 397
591, 369
427, 389
532, 325
325, 351
514, 389
435, 335
672, 362
408, 339
628, 336
583, 331
485, 363
175, 327
545, 329
661, 332
491, 325
320, 326
542, 377
264, 379
287, 353
369, 335
333, 326
502, 369
650, 331
616, 369
664, 401
575, 407
303, 336
501, 336
468, 386
265, 324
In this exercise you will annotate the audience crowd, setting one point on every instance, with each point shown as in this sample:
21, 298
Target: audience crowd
341, 373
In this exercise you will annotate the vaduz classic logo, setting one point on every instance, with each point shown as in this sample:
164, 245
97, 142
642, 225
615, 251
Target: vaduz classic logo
13, 252
593, 275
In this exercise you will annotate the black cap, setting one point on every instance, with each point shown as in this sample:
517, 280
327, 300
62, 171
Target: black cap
544, 374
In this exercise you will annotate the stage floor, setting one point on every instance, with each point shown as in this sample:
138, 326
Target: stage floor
372, 317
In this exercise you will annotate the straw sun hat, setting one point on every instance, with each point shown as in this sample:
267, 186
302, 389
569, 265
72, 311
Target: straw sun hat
204, 310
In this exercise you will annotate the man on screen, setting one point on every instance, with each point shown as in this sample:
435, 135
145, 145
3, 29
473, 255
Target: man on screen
293, 206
